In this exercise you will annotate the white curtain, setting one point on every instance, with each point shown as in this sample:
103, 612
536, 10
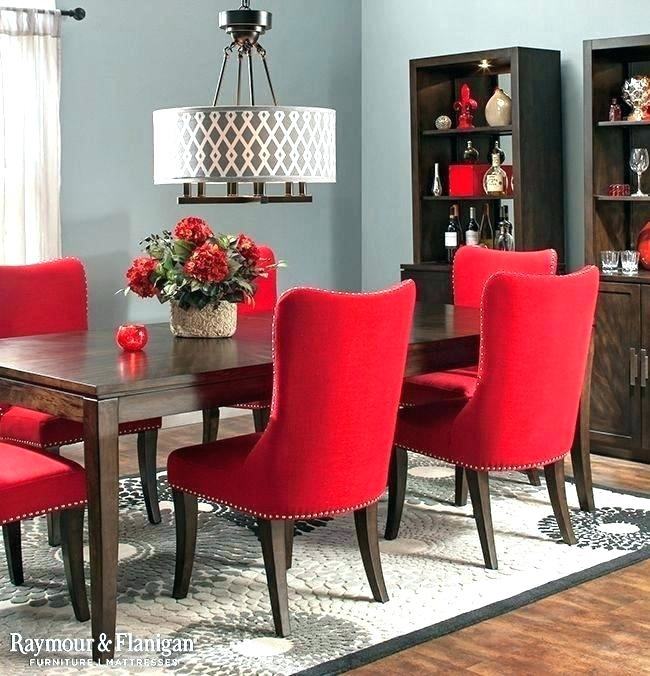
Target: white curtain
30, 135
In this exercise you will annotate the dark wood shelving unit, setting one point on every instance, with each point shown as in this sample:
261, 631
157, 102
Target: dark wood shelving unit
620, 402
490, 131
533, 145
623, 123
474, 198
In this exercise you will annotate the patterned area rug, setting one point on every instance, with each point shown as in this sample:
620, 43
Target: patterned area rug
434, 574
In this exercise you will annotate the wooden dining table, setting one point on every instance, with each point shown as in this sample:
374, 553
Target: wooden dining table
84, 376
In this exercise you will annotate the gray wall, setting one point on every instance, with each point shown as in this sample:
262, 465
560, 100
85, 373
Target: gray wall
131, 57
432, 28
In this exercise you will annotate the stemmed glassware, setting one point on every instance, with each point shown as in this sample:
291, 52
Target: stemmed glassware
639, 162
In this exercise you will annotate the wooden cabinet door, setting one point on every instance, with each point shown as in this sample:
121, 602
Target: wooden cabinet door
645, 392
615, 402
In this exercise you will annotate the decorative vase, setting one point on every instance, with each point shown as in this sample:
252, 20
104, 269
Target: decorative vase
643, 246
636, 93
213, 321
498, 110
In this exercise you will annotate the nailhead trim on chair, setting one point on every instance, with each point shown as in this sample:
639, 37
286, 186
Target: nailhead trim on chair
316, 515
252, 405
505, 468
29, 515
69, 441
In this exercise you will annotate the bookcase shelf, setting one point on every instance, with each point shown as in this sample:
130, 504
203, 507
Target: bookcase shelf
532, 142
484, 131
623, 123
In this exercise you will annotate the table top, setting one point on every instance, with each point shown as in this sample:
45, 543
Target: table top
90, 363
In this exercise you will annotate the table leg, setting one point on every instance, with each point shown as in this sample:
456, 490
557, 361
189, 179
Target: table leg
580, 453
102, 470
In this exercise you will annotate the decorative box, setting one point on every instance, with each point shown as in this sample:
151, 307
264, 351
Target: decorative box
466, 180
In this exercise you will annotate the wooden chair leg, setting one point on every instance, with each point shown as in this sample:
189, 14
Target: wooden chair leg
557, 491
186, 509
365, 522
289, 533
54, 518
273, 538
210, 425
460, 499
72, 528
533, 477
13, 551
479, 490
147, 447
397, 474
261, 418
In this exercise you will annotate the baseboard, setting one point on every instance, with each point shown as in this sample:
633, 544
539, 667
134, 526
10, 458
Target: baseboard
181, 419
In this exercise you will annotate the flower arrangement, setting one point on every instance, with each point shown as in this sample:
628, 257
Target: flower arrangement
194, 268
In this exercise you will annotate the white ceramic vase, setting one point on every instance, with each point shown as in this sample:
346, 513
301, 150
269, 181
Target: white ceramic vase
213, 321
498, 110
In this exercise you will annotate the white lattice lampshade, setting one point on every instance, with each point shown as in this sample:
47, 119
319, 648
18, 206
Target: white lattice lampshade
245, 144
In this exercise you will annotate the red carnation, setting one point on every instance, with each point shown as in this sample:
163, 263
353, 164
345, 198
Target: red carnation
208, 263
139, 276
193, 229
248, 249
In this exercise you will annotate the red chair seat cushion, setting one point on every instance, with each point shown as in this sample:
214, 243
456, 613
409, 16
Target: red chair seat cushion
224, 471
441, 385
33, 483
42, 430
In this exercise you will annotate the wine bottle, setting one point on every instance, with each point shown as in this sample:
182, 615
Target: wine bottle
497, 149
470, 156
486, 231
495, 181
472, 232
452, 234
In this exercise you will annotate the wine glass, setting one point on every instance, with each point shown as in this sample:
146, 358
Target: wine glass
639, 162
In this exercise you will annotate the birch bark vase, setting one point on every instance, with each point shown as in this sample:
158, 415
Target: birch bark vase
213, 321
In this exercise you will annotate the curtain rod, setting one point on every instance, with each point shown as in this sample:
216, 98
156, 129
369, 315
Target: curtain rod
77, 13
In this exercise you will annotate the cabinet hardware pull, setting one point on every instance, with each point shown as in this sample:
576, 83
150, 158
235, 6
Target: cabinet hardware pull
644, 367
634, 367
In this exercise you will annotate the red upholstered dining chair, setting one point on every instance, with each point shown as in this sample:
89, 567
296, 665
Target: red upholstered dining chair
317, 456
524, 410
52, 297
33, 483
472, 267
266, 296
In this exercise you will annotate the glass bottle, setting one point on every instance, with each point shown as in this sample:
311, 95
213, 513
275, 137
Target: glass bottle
453, 234
486, 231
472, 232
615, 112
495, 181
436, 184
497, 149
470, 156
509, 225
504, 240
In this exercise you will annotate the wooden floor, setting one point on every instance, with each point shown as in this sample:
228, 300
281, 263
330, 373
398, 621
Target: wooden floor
600, 627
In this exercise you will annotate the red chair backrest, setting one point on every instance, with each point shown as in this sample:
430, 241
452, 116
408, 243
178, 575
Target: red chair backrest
49, 297
535, 334
338, 368
266, 295
474, 265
